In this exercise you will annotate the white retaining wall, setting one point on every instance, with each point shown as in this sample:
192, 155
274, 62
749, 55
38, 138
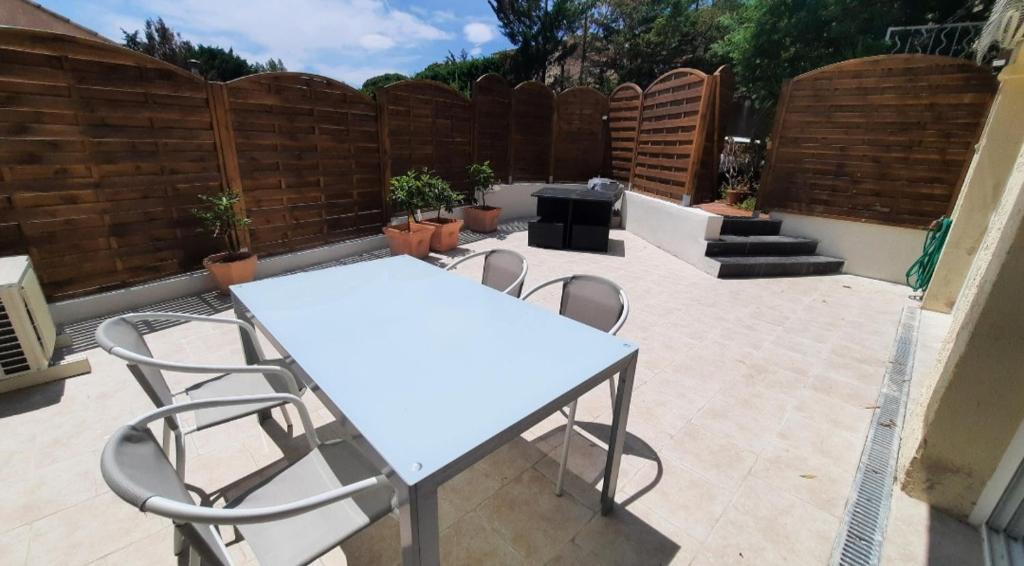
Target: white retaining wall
870, 250
679, 230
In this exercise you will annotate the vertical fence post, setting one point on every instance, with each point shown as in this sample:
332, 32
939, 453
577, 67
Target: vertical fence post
554, 136
385, 154
636, 138
765, 189
699, 138
227, 152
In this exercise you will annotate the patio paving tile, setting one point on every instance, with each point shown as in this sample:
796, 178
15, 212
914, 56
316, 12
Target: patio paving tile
742, 387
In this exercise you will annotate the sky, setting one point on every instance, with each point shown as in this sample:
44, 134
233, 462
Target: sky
348, 40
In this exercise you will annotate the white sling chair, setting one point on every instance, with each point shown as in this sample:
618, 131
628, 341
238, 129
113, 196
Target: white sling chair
597, 302
120, 338
294, 517
504, 270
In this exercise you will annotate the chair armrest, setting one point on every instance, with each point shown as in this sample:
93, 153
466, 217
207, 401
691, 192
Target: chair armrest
464, 259
188, 406
249, 330
292, 381
190, 513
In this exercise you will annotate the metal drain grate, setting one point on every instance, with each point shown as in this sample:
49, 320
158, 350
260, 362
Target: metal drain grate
859, 542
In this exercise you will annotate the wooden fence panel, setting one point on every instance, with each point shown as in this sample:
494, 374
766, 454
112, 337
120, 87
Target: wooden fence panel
720, 106
880, 139
308, 159
103, 153
623, 124
671, 138
579, 150
428, 124
492, 104
533, 109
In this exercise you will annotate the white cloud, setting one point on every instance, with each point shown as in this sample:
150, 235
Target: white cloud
476, 50
300, 32
376, 42
442, 16
478, 33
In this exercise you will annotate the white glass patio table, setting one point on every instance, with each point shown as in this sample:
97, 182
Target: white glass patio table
434, 371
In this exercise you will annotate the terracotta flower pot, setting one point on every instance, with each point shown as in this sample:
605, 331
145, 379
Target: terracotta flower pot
403, 241
446, 233
733, 197
230, 269
482, 219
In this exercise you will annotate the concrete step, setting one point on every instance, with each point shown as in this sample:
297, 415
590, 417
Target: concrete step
776, 266
751, 226
730, 245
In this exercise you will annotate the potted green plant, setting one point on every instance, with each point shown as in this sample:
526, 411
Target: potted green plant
480, 217
443, 198
220, 219
409, 194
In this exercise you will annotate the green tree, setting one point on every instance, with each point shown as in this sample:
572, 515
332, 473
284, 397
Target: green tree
768, 41
371, 84
538, 29
214, 63
461, 71
638, 41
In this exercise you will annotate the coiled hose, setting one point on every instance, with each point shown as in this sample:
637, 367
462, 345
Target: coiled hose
920, 273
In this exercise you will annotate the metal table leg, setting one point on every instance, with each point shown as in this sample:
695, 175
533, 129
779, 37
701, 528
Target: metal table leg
618, 435
418, 526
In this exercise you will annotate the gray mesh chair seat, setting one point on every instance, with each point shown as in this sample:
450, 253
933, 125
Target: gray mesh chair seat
598, 303
293, 517
231, 385
504, 270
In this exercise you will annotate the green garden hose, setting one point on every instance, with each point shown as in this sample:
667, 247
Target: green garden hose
920, 273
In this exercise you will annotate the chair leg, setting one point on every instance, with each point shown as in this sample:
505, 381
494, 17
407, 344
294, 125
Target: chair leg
565, 449
287, 417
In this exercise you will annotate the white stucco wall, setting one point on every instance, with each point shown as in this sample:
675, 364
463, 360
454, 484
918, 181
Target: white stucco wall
870, 250
679, 230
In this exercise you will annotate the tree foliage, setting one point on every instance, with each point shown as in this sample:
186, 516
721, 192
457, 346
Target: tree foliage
371, 84
213, 63
461, 71
539, 30
768, 41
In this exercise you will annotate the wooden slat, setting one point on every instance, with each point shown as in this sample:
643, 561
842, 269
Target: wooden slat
492, 105
882, 139
533, 110
676, 112
580, 140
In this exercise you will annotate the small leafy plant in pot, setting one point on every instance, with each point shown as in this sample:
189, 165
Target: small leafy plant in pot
480, 217
409, 194
220, 219
442, 197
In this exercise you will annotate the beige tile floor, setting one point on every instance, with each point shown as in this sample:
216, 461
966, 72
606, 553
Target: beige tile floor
751, 404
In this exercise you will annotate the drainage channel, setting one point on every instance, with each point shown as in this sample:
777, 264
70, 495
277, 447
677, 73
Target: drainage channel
860, 538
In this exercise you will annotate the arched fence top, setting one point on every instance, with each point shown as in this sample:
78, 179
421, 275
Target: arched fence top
491, 80
535, 86
683, 76
901, 60
424, 87
297, 78
626, 89
60, 44
582, 91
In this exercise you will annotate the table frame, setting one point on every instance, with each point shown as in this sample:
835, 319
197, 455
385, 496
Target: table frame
418, 519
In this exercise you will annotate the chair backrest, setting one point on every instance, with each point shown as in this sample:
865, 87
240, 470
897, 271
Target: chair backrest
122, 333
136, 469
504, 269
594, 301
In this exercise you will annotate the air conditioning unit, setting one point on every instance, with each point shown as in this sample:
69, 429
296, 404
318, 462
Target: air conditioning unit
28, 336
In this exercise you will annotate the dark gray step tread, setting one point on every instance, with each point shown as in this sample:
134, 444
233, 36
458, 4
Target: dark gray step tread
729, 245
773, 266
751, 226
